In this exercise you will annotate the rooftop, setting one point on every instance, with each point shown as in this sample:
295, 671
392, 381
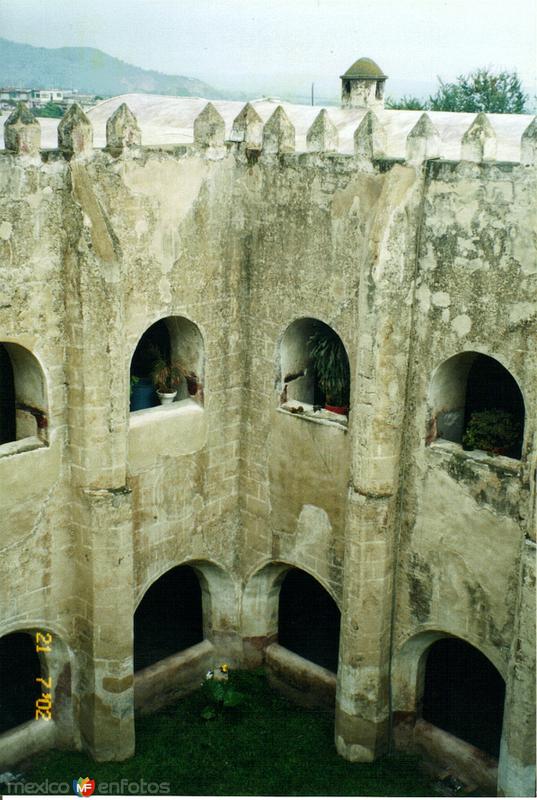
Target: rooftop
365, 68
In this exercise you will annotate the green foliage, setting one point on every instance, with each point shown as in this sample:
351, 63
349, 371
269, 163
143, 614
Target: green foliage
408, 102
134, 380
166, 375
331, 365
221, 694
482, 90
49, 110
267, 746
492, 430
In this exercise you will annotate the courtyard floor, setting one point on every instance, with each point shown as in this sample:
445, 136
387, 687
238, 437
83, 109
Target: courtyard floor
267, 746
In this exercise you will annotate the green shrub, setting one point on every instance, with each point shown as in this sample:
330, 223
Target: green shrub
493, 430
219, 693
331, 365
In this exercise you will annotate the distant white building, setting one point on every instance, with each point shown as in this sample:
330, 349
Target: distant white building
43, 96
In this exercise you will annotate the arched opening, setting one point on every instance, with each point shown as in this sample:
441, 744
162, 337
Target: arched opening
7, 398
168, 359
476, 402
19, 690
315, 368
464, 694
169, 618
23, 397
308, 620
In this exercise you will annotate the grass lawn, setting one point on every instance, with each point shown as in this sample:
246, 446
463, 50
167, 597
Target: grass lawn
267, 746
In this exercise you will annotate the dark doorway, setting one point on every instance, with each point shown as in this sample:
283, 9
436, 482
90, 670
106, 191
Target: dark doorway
7, 399
464, 694
308, 620
169, 618
491, 387
19, 668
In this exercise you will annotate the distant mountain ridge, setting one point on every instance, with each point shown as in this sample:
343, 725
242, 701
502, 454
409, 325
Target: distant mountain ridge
90, 71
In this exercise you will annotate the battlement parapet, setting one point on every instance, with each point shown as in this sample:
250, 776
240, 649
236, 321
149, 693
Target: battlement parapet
278, 129
479, 141
122, 129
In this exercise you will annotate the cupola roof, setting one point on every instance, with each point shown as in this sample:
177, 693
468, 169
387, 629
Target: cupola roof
366, 69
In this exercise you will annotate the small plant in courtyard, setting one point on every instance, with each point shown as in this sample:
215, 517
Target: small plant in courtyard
220, 693
492, 430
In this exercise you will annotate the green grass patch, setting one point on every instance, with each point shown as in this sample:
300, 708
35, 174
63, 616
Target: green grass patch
267, 746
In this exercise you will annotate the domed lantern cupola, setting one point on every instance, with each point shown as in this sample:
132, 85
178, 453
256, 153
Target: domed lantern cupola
362, 86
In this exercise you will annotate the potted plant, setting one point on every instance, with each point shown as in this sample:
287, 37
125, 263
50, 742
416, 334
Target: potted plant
492, 430
166, 378
331, 367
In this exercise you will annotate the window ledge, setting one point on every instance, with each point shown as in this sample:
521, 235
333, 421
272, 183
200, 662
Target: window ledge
146, 416
173, 430
320, 416
21, 446
512, 465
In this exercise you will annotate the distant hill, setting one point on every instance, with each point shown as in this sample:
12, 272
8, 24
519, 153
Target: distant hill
90, 71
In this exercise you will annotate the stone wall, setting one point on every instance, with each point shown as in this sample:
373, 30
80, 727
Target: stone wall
410, 263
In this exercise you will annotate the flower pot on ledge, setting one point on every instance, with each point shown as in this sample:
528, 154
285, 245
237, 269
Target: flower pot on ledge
343, 410
166, 397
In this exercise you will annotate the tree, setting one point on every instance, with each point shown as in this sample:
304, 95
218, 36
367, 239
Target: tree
49, 110
481, 90
406, 102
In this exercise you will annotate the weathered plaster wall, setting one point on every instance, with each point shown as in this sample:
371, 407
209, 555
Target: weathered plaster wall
410, 265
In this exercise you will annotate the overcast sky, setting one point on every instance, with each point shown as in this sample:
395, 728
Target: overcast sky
230, 43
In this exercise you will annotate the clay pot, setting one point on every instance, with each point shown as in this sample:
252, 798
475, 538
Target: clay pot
343, 410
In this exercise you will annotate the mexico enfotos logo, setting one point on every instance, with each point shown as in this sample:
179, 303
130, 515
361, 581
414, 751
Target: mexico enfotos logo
85, 787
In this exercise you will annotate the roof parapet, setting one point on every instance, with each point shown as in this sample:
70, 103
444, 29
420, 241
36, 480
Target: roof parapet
22, 132
122, 129
75, 132
479, 141
279, 133
248, 128
423, 141
528, 144
322, 137
370, 138
209, 128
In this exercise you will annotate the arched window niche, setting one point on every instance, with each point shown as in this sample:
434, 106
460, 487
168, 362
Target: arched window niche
476, 402
23, 400
167, 365
314, 371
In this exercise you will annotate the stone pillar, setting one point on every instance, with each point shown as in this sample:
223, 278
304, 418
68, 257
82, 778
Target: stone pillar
378, 407
97, 379
106, 714
516, 768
